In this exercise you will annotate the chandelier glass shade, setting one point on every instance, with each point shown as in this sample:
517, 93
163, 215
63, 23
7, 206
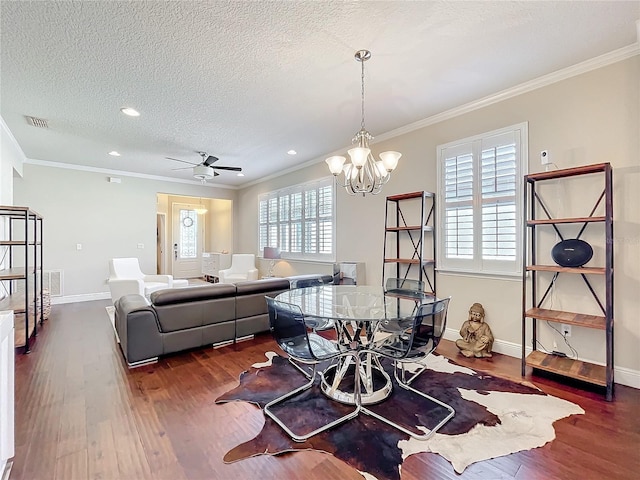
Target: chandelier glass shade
364, 174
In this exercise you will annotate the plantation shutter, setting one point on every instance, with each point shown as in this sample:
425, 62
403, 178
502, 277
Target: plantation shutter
300, 220
458, 199
480, 181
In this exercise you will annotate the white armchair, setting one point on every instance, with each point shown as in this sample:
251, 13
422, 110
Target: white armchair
243, 267
125, 277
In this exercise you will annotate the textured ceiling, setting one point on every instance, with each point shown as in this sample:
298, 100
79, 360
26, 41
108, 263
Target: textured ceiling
247, 81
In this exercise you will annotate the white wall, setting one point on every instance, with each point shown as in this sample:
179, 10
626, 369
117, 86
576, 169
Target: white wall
590, 118
11, 159
107, 219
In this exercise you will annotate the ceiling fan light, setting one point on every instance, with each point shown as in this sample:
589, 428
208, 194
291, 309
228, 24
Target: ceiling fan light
202, 172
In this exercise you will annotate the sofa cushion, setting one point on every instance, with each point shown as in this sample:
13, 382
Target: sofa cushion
192, 294
250, 297
261, 286
191, 307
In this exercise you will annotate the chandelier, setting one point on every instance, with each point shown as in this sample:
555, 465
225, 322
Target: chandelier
364, 174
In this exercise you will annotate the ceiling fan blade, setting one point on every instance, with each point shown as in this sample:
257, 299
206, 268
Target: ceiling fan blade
178, 160
233, 169
182, 168
209, 160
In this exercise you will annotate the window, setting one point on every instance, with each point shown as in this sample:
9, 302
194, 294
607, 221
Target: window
300, 220
480, 208
188, 233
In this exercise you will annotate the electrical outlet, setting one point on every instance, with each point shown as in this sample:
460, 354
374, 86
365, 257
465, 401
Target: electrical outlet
566, 330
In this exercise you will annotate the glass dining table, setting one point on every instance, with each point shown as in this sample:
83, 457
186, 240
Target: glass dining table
360, 315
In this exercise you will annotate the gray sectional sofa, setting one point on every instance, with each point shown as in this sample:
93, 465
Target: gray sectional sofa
182, 318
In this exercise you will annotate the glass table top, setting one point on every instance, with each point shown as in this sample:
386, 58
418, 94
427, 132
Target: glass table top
354, 302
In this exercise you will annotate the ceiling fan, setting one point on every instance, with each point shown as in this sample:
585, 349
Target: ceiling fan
205, 170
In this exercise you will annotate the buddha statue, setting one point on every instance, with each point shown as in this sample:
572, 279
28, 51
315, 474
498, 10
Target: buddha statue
477, 339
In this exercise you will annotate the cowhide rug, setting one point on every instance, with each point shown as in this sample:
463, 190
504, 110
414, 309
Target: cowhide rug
494, 417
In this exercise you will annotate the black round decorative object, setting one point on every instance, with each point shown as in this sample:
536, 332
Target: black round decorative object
571, 253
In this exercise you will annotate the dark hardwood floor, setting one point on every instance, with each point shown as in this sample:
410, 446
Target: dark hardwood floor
81, 414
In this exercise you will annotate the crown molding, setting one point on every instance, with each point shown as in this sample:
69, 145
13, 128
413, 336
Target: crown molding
540, 82
84, 168
546, 80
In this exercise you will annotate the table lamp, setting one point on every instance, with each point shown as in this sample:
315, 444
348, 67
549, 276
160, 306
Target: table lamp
273, 254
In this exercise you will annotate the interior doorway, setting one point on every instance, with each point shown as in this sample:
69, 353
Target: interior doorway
214, 228
161, 233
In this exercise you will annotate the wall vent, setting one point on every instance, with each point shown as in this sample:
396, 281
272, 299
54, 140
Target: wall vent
52, 281
37, 122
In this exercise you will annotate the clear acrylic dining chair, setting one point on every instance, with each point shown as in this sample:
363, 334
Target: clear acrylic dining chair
410, 346
296, 338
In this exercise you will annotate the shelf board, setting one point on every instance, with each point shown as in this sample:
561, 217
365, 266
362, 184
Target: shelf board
577, 369
19, 212
408, 261
570, 318
19, 243
558, 268
567, 172
426, 228
15, 302
20, 328
406, 196
15, 273
554, 221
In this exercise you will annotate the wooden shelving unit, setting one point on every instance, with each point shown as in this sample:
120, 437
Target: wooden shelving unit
408, 235
21, 257
532, 298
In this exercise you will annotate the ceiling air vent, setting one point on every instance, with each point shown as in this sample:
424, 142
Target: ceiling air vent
37, 122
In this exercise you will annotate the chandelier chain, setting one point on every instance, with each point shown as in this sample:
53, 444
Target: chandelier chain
362, 77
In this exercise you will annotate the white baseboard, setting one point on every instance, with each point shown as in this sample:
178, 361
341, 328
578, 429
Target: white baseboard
87, 297
622, 375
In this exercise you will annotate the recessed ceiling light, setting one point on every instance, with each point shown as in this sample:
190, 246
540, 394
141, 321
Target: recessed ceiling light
132, 112
292, 152
240, 174
113, 153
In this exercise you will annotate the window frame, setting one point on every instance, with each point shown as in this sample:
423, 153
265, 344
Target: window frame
477, 265
279, 226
